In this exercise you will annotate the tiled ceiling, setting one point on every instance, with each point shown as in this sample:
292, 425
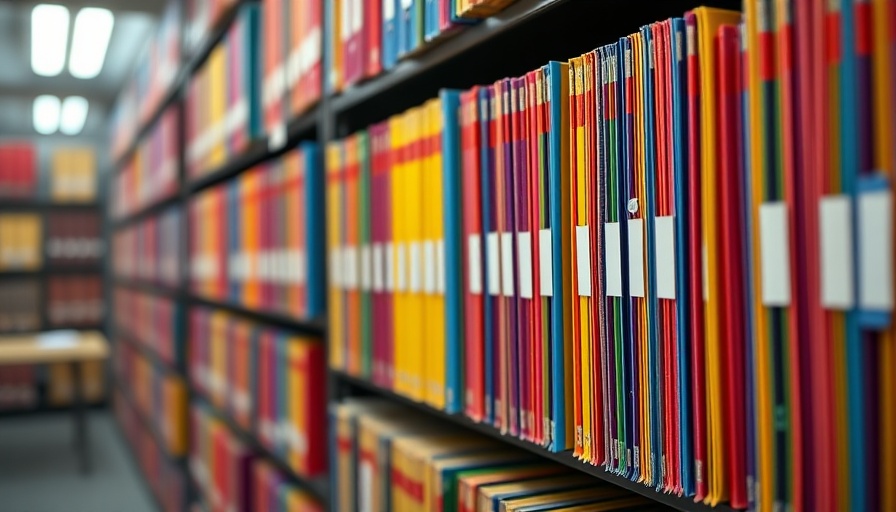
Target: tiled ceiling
134, 22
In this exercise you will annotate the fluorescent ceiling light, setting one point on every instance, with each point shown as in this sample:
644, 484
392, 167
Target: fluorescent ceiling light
49, 36
74, 113
46, 114
93, 28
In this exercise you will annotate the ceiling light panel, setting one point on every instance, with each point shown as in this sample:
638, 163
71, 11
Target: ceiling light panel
49, 37
46, 114
90, 40
74, 114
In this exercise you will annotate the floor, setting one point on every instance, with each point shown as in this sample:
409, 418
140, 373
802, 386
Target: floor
39, 467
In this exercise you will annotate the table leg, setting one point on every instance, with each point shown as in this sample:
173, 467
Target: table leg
81, 439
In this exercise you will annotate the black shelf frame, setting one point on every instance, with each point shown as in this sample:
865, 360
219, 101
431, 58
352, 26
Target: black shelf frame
147, 211
145, 287
40, 205
475, 54
312, 327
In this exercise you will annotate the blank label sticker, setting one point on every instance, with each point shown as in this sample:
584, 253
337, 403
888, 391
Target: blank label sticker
524, 252
416, 260
493, 260
665, 257
835, 237
774, 254
379, 278
636, 257
875, 251
350, 260
545, 263
583, 260
474, 263
429, 266
507, 264
613, 259
366, 268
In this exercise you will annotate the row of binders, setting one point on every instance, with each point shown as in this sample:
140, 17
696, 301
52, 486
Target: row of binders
149, 173
221, 98
74, 238
159, 396
18, 170
369, 37
257, 240
232, 477
21, 241
153, 321
74, 301
164, 474
149, 250
291, 66
20, 305
672, 254
391, 458
270, 382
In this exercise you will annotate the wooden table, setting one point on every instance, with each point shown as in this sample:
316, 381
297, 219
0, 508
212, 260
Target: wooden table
60, 347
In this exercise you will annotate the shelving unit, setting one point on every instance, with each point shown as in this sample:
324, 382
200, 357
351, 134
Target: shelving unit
480, 53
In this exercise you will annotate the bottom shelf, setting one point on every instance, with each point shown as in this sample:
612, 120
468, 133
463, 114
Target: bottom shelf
350, 383
316, 486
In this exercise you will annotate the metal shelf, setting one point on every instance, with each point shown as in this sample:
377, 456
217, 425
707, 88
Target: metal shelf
314, 326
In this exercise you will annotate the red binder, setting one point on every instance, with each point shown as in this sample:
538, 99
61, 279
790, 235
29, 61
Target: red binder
733, 323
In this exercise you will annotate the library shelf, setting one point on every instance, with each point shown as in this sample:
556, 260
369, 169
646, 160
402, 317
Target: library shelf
313, 326
318, 486
31, 205
348, 385
154, 208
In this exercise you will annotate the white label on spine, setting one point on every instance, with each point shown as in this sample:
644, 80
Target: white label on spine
524, 259
665, 257
583, 260
875, 250
507, 264
401, 268
835, 240
366, 267
390, 267
636, 257
350, 256
429, 266
388, 9
365, 487
545, 263
474, 263
379, 279
613, 259
440, 266
416, 261
774, 254
493, 262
